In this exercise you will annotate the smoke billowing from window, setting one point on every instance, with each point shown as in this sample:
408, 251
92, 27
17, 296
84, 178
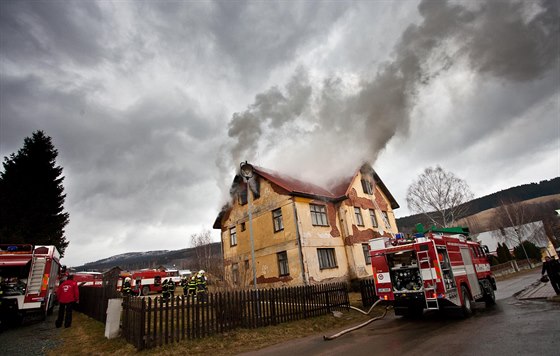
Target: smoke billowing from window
321, 129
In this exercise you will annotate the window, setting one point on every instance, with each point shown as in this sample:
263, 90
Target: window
359, 219
283, 268
366, 186
319, 215
246, 264
235, 273
373, 218
327, 258
386, 219
277, 220
242, 226
232, 236
367, 256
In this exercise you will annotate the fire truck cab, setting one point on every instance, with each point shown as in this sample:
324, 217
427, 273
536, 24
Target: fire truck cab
29, 278
437, 269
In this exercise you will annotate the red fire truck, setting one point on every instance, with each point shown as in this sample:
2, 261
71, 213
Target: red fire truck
29, 278
89, 279
435, 269
145, 281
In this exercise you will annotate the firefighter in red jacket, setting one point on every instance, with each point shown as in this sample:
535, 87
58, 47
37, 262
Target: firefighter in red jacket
67, 294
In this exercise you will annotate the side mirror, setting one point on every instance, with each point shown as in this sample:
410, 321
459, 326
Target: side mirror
485, 249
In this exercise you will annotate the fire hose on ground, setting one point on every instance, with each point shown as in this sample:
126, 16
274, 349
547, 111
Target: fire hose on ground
332, 337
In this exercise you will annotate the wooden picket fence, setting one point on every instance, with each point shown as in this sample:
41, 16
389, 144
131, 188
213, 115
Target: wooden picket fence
149, 323
367, 291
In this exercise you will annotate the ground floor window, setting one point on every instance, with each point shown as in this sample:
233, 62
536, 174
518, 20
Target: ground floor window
235, 273
327, 258
367, 256
283, 266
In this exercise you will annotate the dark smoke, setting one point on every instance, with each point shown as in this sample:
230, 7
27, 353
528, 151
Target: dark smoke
511, 41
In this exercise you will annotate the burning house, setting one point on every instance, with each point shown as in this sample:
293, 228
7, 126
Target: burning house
302, 233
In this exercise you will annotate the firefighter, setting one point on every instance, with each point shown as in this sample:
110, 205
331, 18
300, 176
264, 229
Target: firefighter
171, 287
67, 295
126, 289
185, 285
165, 290
201, 288
191, 286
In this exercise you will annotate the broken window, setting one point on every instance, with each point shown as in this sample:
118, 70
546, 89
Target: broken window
366, 186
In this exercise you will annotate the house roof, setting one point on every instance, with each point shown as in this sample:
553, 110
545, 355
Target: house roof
297, 187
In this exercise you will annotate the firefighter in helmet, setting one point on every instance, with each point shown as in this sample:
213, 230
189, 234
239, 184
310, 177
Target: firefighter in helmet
201, 288
165, 290
127, 288
191, 285
171, 287
185, 285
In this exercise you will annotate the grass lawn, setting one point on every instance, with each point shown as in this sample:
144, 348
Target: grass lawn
86, 336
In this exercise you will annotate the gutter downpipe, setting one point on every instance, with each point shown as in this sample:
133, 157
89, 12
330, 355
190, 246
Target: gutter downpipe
300, 248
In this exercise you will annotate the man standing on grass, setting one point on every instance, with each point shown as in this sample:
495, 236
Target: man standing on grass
67, 294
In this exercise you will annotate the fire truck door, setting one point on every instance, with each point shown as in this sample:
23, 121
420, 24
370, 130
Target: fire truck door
471, 273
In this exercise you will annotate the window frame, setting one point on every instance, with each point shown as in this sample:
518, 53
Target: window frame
327, 258
283, 264
319, 212
235, 273
358, 216
367, 188
233, 236
367, 256
373, 218
386, 215
277, 220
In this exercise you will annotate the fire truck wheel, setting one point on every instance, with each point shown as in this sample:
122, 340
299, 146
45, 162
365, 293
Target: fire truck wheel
145, 290
466, 301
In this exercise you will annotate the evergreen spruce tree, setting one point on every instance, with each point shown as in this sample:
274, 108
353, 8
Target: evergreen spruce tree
533, 252
32, 195
502, 255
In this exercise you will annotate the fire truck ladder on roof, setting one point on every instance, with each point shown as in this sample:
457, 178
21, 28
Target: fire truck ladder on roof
430, 290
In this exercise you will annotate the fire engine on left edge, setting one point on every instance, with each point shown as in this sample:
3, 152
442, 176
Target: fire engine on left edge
29, 278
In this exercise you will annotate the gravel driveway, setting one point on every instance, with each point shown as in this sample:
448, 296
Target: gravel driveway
35, 338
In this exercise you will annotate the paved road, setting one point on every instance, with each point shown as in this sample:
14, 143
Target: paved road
512, 327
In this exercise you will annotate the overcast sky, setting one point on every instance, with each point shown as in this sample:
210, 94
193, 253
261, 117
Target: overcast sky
153, 105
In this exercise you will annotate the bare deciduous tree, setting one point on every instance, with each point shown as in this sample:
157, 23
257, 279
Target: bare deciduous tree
518, 217
206, 259
440, 196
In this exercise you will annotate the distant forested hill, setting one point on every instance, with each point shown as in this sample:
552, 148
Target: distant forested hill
519, 193
182, 259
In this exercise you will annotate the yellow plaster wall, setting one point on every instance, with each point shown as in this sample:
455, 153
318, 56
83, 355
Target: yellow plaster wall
266, 242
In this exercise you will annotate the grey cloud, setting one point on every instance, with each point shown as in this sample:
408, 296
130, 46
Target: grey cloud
50, 31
